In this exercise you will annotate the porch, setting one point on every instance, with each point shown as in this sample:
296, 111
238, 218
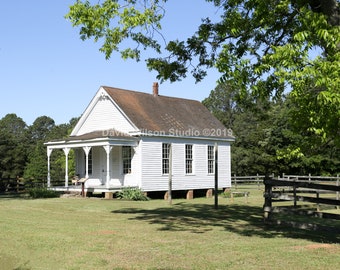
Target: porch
100, 159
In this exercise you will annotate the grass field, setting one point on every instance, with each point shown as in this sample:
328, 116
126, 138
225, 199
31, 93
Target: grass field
92, 233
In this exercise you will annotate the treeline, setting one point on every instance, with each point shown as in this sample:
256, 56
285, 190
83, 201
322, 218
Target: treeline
22, 149
272, 136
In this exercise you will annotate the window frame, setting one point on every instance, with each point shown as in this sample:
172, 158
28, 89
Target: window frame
189, 159
90, 162
166, 158
211, 159
126, 159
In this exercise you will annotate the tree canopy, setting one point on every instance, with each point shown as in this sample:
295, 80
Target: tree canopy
262, 47
22, 149
266, 140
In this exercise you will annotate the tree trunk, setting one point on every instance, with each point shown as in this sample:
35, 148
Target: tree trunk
330, 8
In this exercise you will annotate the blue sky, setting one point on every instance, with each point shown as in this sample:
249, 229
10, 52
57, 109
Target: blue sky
45, 69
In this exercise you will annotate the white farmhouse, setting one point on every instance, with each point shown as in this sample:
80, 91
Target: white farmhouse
123, 139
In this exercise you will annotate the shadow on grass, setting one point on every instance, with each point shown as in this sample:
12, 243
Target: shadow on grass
13, 196
244, 220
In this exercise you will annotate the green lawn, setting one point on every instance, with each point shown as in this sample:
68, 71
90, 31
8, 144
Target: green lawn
92, 233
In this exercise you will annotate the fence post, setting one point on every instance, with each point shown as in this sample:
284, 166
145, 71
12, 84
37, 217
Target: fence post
258, 181
267, 208
18, 184
309, 177
317, 205
235, 181
294, 194
337, 193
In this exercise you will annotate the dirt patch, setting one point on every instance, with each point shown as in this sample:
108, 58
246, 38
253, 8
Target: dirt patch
8, 262
71, 195
105, 232
329, 247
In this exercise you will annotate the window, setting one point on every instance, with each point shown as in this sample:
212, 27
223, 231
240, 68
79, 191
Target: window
90, 162
165, 158
126, 156
188, 159
211, 159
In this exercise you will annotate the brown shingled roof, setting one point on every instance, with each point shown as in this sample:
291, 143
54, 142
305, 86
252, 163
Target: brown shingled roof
168, 115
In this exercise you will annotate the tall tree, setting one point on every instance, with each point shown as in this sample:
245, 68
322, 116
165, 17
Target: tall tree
37, 134
41, 128
222, 102
13, 143
58, 157
44, 129
261, 46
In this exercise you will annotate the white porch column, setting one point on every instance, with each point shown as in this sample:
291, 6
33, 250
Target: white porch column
87, 151
66, 151
108, 175
49, 152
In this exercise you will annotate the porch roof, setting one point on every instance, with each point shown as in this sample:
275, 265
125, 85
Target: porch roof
95, 138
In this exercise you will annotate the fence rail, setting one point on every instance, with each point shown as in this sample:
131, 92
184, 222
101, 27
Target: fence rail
20, 185
258, 179
311, 178
298, 191
250, 179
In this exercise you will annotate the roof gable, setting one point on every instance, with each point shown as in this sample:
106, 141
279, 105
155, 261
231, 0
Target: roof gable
102, 114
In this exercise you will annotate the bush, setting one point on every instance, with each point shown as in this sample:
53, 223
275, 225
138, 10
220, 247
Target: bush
134, 194
227, 194
37, 193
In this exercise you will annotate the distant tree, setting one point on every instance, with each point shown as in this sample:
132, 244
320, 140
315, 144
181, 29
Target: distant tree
13, 140
252, 151
37, 133
222, 102
42, 130
58, 159
36, 167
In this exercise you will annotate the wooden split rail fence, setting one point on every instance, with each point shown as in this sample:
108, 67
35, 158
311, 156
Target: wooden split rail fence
250, 179
306, 196
20, 185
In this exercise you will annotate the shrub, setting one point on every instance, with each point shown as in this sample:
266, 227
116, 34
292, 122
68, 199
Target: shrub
36, 193
134, 194
227, 194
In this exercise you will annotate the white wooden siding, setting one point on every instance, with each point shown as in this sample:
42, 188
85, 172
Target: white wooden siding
133, 179
153, 180
224, 167
97, 153
146, 165
115, 162
80, 162
103, 115
178, 159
